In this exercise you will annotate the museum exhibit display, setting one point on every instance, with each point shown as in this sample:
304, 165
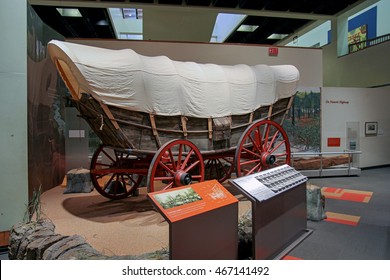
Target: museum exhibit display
203, 221
278, 197
169, 123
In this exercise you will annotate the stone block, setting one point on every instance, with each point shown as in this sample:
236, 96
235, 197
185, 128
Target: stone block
315, 203
78, 181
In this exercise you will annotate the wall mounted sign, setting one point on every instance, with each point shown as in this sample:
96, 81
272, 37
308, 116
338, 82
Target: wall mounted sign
342, 102
273, 51
334, 142
371, 128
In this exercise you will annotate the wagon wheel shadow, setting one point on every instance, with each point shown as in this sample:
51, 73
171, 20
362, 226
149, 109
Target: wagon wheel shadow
101, 210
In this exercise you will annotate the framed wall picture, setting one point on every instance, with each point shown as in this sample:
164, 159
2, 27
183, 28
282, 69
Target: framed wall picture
371, 128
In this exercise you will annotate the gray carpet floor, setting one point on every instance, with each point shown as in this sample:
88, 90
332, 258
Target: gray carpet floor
369, 239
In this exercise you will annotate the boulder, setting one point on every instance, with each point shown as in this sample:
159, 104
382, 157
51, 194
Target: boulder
78, 181
315, 203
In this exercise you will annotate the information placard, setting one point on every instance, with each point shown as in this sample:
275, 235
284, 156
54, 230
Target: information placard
186, 201
269, 183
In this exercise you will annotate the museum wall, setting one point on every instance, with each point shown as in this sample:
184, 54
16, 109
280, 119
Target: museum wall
345, 112
46, 99
308, 61
13, 114
369, 67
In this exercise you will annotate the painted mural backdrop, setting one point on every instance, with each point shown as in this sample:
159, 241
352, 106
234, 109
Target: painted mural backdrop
45, 109
303, 121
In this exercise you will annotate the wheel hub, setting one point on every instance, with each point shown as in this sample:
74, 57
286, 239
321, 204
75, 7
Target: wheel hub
268, 159
182, 178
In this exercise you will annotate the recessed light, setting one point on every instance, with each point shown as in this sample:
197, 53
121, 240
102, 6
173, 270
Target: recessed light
102, 22
69, 12
276, 36
247, 28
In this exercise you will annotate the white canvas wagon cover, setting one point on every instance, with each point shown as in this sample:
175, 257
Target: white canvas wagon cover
165, 87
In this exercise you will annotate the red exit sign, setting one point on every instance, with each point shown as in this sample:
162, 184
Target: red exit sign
273, 51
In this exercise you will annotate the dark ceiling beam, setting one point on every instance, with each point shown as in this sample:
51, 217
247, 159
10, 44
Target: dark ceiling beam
88, 24
178, 8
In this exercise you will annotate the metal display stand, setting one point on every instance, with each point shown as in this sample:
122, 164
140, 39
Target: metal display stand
203, 221
279, 211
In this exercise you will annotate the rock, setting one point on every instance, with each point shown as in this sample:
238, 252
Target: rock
19, 236
56, 250
82, 252
37, 247
38, 241
78, 181
245, 236
315, 203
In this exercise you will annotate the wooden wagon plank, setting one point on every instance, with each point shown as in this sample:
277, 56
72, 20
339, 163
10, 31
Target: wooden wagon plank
154, 130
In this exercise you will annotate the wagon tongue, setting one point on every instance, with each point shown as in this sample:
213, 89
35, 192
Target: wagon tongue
182, 178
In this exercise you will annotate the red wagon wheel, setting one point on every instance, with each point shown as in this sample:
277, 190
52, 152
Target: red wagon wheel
219, 168
263, 145
177, 163
113, 174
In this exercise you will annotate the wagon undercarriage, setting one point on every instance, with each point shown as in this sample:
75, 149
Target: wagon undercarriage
118, 173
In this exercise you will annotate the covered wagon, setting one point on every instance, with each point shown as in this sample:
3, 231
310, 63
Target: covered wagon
165, 123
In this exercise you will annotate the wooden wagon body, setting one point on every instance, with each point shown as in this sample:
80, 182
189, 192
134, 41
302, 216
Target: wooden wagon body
158, 138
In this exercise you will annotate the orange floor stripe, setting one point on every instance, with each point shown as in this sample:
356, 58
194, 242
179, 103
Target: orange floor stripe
290, 258
342, 218
346, 194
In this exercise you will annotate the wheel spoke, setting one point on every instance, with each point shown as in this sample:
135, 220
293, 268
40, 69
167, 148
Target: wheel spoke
166, 168
277, 146
163, 178
250, 161
187, 158
108, 155
251, 152
256, 167
108, 182
133, 182
267, 138
193, 165
172, 160
217, 170
256, 145
179, 157
112, 171
168, 174
170, 185
274, 137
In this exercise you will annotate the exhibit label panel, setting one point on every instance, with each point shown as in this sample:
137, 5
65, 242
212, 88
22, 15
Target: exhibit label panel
203, 221
269, 183
187, 201
278, 197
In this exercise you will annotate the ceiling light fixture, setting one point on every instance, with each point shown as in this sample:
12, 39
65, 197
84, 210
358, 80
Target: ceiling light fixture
69, 12
276, 36
247, 28
102, 22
